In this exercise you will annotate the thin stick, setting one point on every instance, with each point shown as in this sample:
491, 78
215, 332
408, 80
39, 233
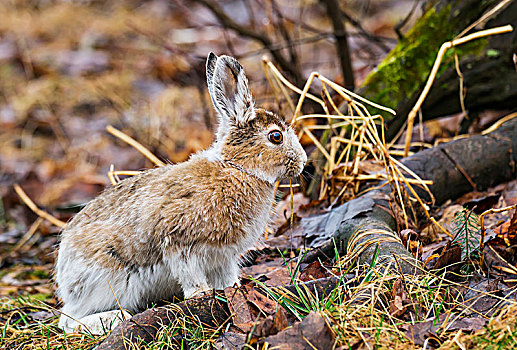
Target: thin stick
137, 145
111, 177
41, 213
317, 144
113, 174
354, 95
272, 83
28, 235
304, 93
275, 71
483, 230
116, 299
463, 90
433, 220
498, 123
443, 49
484, 17
289, 186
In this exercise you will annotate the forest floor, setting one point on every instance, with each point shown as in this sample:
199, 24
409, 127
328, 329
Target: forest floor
69, 69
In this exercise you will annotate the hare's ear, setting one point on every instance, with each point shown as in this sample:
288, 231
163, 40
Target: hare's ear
210, 67
228, 87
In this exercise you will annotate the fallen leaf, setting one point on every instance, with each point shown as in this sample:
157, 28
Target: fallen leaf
230, 341
450, 256
237, 303
397, 307
271, 325
419, 332
313, 271
312, 333
272, 273
411, 240
262, 302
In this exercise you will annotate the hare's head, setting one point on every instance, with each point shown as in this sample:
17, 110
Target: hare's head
258, 141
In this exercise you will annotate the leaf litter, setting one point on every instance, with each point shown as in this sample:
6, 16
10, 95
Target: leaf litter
87, 87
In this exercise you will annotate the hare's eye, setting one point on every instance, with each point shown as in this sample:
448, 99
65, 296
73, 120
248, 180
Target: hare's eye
275, 137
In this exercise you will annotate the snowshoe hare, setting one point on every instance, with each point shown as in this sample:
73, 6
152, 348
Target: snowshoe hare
179, 230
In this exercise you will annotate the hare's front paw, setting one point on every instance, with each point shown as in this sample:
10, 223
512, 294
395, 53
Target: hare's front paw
224, 276
196, 291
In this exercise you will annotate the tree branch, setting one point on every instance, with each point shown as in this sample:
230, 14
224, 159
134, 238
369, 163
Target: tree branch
229, 23
341, 42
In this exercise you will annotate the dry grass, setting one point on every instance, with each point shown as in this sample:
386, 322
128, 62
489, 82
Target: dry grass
351, 151
382, 310
352, 143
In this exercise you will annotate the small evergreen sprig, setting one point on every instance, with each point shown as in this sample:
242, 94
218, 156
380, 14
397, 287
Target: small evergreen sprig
467, 233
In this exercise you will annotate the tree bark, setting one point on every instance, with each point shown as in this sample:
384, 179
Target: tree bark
489, 74
456, 168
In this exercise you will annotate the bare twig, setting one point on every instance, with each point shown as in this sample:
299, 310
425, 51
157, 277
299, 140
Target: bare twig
28, 235
378, 40
498, 123
265, 40
41, 213
398, 26
293, 56
443, 49
487, 15
139, 147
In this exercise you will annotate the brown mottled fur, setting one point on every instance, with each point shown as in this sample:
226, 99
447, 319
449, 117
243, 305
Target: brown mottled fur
171, 207
180, 229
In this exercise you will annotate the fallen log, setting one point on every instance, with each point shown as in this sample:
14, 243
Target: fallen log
489, 76
455, 168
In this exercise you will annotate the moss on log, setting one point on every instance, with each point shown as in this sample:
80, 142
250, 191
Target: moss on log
399, 79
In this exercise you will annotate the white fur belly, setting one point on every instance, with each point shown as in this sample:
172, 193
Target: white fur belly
86, 287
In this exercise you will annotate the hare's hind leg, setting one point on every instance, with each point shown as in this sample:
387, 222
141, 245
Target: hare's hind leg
96, 324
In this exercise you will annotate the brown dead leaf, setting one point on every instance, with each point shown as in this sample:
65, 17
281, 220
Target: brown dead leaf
237, 303
397, 307
312, 333
271, 325
501, 251
411, 240
500, 259
419, 332
262, 302
450, 256
230, 341
511, 232
313, 271
479, 205
449, 213
272, 272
